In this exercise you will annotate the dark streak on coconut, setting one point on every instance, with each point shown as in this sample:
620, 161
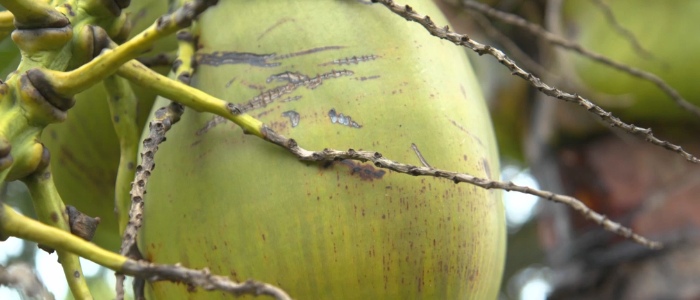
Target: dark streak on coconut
277, 24
487, 168
291, 77
295, 80
211, 124
363, 78
253, 86
466, 131
290, 99
342, 119
309, 51
228, 84
218, 58
294, 117
351, 60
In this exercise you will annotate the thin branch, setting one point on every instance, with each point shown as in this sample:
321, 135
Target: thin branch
164, 118
509, 45
463, 40
22, 277
385, 163
203, 278
624, 32
558, 41
420, 156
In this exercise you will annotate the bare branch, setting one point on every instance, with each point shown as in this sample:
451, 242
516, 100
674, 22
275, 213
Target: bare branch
203, 278
22, 277
558, 41
463, 40
624, 32
509, 45
165, 117
385, 163
420, 156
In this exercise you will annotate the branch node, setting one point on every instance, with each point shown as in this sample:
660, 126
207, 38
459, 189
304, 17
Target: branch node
81, 224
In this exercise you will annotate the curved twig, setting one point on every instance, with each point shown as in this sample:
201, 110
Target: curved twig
382, 162
463, 40
559, 41
624, 32
22, 277
164, 118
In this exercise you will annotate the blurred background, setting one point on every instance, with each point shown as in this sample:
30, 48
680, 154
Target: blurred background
553, 252
545, 143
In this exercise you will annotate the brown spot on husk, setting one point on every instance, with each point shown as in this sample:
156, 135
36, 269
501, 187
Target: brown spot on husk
54, 217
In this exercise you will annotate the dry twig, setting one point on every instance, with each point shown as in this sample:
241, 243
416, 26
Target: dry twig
164, 118
559, 41
420, 156
509, 45
22, 277
624, 32
203, 279
463, 40
385, 163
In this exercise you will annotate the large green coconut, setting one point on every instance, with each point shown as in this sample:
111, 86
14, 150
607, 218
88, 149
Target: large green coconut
336, 74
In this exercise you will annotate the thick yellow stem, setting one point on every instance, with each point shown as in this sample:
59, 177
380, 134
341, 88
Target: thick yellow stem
122, 106
14, 224
188, 96
50, 210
